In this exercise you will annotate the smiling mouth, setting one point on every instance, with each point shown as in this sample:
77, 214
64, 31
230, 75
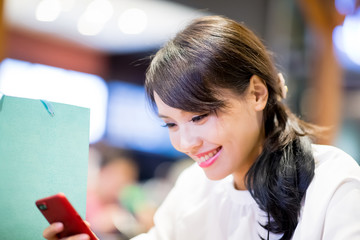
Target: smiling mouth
207, 156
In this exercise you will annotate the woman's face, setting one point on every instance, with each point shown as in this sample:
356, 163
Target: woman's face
222, 143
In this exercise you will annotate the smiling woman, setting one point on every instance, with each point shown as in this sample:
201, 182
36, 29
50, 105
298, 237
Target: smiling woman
219, 66
219, 70
257, 174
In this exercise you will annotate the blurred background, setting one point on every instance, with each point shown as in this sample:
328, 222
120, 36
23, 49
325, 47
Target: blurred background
94, 53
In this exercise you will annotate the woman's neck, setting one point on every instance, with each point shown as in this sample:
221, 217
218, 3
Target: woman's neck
240, 175
239, 180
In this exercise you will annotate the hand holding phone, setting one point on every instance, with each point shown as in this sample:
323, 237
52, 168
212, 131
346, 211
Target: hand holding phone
57, 208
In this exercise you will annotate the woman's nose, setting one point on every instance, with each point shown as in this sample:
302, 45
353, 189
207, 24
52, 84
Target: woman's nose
189, 141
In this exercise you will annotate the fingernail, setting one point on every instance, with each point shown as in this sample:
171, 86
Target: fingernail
58, 225
84, 237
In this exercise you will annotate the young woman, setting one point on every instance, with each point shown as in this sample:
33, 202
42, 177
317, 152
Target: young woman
257, 174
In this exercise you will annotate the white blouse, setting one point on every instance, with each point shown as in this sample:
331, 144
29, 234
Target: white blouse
201, 209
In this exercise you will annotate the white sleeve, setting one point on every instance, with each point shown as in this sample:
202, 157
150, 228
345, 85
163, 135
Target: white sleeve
343, 213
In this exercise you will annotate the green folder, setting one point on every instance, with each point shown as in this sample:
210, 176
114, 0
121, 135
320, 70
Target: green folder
44, 149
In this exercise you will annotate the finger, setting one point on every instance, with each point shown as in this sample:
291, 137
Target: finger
79, 237
51, 231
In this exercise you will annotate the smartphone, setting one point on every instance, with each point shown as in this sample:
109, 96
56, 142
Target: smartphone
57, 208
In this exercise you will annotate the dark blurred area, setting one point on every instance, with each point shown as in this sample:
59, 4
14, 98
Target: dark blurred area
314, 43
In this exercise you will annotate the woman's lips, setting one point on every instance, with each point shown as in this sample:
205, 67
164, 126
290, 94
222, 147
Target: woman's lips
207, 159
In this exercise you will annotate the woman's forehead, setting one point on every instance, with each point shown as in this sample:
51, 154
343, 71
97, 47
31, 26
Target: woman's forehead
165, 111
224, 95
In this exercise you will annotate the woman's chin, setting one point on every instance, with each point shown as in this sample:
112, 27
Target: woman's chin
214, 176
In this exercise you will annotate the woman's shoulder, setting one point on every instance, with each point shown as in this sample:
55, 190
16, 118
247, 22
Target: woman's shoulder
330, 157
334, 170
333, 167
332, 192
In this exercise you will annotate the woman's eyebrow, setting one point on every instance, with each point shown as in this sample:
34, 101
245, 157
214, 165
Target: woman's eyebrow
162, 116
182, 112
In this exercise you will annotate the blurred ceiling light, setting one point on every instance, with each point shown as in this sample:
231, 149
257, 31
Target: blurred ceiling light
133, 21
48, 10
347, 37
345, 6
67, 5
89, 27
92, 21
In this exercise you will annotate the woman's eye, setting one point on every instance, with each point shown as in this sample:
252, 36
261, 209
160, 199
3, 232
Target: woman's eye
200, 117
169, 125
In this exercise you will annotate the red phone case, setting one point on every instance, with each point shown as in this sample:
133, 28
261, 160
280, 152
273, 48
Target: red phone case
57, 208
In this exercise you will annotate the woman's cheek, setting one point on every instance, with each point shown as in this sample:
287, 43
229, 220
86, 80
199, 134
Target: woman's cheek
174, 139
211, 131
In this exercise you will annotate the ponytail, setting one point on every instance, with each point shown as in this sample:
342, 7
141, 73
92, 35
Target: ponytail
282, 173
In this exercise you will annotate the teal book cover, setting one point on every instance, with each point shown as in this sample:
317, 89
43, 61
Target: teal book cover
44, 149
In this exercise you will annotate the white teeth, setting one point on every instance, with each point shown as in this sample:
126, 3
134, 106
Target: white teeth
207, 156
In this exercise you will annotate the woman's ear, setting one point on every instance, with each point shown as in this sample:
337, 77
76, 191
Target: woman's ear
259, 93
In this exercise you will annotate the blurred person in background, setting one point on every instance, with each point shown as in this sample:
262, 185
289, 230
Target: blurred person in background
324, 98
257, 174
110, 190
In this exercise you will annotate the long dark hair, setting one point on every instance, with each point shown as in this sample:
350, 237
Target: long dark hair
215, 52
